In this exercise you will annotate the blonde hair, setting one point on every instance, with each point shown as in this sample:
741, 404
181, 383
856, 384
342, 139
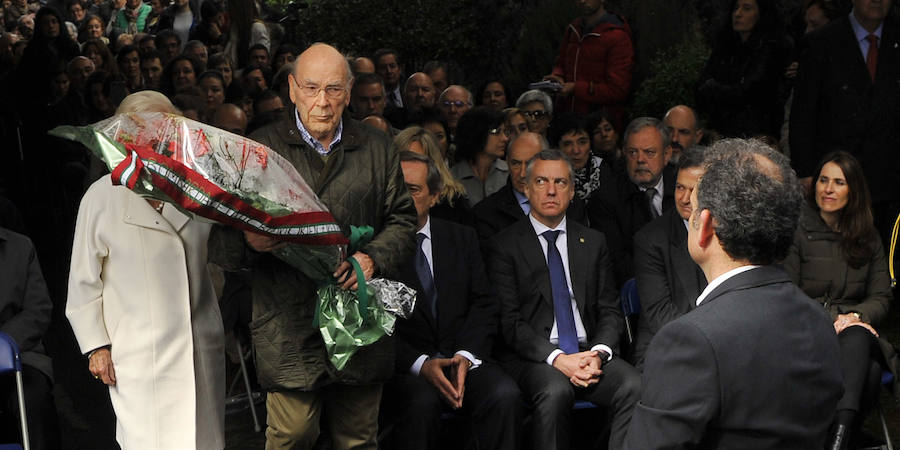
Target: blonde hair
147, 101
452, 189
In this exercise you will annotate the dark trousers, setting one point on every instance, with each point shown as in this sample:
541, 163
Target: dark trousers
553, 395
492, 402
43, 429
857, 346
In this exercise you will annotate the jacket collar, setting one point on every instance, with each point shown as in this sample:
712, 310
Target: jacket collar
139, 212
760, 276
351, 135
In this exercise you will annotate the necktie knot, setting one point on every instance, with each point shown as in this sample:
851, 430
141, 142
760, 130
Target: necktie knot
650, 193
873, 40
420, 237
550, 236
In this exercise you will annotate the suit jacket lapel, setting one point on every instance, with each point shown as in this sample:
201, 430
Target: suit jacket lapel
408, 275
752, 278
510, 205
176, 218
534, 257
440, 254
887, 55
851, 47
577, 260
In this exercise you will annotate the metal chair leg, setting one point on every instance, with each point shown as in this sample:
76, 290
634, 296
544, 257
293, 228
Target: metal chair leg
884, 429
21, 394
256, 426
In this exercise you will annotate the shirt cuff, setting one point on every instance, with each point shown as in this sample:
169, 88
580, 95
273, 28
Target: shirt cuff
553, 356
417, 365
603, 348
472, 359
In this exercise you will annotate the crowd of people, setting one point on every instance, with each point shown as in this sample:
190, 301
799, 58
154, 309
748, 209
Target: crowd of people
752, 226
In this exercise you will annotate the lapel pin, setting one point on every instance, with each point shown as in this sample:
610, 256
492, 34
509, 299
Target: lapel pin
895, 45
581, 240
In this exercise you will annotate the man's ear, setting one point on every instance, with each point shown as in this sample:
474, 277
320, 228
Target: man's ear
699, 135
707, 229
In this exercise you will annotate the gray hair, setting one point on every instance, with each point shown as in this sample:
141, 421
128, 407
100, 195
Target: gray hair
471, 100
433, 178
640, 123
545, 145
195, 44
535, 95
549, 155
754, 197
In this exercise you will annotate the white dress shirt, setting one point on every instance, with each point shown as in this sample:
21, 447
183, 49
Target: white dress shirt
563, 248
721, 279
426, 249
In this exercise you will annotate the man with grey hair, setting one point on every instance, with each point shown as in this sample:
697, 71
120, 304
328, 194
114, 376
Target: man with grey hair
510, 205
358, 178
755, 365
444, 347
453, 103
632, 199
559, 312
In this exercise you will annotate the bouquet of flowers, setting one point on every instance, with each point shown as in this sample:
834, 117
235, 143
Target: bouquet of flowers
213, 174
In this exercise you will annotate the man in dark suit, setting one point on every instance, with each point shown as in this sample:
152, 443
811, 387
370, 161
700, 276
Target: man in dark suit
561, 327
641, 194
668, 280
755, 365
510, 205
443, 349
25, 308
847, 97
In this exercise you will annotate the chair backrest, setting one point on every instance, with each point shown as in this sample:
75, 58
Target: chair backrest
631, 304
9, 354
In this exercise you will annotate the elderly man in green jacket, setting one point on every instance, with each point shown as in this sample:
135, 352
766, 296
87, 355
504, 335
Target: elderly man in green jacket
351, 168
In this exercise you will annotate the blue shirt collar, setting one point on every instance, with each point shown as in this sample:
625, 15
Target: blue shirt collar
313, 142
861, 32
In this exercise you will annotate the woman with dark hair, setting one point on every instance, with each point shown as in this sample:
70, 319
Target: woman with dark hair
837, 258
212, 87
76, 11
50, 47
572, 136
180, 74
493, 94
605, 139
739, 86
431, 120
481, 139
218, 61
98, 52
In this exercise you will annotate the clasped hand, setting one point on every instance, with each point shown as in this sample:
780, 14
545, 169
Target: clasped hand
451, 389
583, 368
845, 321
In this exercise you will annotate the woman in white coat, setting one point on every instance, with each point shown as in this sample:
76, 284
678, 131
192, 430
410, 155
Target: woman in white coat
142, 307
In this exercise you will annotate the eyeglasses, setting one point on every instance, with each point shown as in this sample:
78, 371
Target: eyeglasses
332, 92
536, 115
457, 103
498, 130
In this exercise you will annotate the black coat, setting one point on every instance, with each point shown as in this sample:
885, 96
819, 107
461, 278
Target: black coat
836, 106
25, 304
619, 210
668, 280
756, 365
521, 282
739, 88
467, 313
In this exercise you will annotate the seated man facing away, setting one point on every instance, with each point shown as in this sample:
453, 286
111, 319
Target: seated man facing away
756, 364
443, 349
559, 312
668, 280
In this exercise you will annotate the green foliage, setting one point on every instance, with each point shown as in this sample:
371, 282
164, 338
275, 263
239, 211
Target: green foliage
674, 71
536, 49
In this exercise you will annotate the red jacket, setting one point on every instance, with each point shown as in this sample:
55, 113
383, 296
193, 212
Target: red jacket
600, 64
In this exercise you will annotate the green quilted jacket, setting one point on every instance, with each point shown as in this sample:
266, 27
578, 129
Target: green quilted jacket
361, 184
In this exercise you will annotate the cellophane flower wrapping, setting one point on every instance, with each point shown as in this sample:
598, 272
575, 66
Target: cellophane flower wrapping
216, 175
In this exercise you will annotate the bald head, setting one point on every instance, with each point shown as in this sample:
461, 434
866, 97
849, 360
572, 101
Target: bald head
230, 118
418, 92
684, 129
320, 89
380, 123
79, 69
521, 150
454, 102
363, 65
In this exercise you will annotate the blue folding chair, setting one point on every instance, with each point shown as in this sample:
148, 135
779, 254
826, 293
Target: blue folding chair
9, 361
631, 306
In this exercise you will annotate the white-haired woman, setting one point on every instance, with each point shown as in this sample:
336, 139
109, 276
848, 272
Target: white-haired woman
143, 309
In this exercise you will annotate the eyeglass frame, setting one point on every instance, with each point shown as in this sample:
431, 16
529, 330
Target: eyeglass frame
304, 90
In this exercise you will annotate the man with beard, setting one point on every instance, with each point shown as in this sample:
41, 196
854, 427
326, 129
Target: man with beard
684, 130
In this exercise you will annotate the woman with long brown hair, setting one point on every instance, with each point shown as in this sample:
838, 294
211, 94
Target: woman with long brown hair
837, 258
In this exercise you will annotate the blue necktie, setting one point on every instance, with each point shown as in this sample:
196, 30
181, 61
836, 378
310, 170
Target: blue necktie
425, 278
562, 304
